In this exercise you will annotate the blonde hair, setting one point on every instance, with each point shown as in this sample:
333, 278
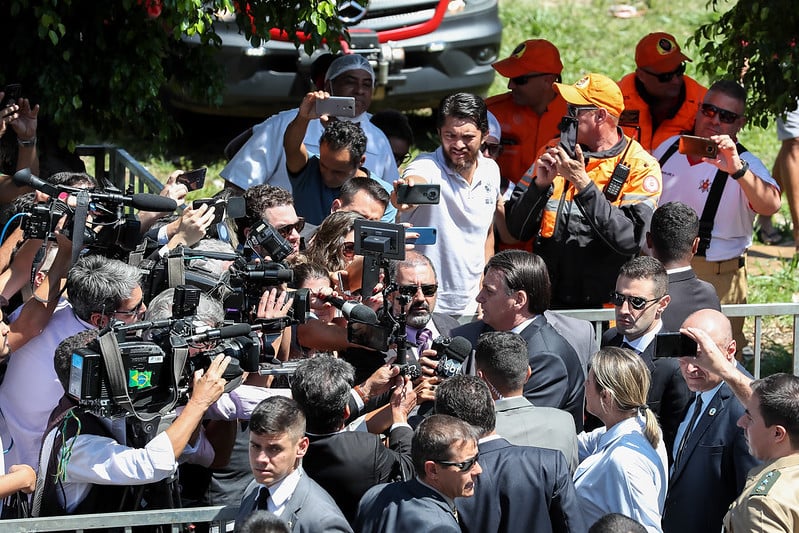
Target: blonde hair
625, 376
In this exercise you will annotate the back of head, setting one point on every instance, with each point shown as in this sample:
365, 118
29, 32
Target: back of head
502, 358
467, 398
341, 135
526, 272
62, 360
263, 522
277, 415
96, 284
673, 229
779, 403
321, 386
209, 310
434, 437
624, 375
645, 267
616, 523
465, 106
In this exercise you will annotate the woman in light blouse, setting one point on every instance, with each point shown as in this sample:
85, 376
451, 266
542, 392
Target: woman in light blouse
623, 466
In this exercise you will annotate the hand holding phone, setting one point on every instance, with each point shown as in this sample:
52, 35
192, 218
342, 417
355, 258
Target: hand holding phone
427, 235
11, 94
421, 193
698, 146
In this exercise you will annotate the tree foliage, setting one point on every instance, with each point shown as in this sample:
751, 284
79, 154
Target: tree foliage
760, 39
102, 66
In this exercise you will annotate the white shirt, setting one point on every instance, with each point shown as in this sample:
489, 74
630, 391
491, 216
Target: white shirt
263, 160
640, 344
620, 472
281, 492
463, 217
31, 389
690, 184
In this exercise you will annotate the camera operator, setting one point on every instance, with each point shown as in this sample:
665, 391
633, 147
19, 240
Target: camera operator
275, 206
100, 467
100, 290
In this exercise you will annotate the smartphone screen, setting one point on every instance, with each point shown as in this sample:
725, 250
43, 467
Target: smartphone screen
674, 344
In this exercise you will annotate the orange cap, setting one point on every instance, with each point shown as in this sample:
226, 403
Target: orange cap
659, 52
533, 55
595, 90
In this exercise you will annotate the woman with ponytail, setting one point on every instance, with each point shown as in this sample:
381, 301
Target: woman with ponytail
623, 467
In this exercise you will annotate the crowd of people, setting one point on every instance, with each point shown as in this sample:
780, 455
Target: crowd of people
488, 409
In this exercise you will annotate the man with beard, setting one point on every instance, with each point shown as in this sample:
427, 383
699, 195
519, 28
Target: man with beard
416, 278
469, 192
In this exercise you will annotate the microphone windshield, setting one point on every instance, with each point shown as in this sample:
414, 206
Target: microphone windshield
153, 202
459, 349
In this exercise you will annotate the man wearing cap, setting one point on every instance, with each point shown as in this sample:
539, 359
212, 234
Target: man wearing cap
530, 112
659, 100
263, 160
589, 211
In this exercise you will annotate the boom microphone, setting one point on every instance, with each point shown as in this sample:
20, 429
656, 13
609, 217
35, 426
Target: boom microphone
353, 310
141, 201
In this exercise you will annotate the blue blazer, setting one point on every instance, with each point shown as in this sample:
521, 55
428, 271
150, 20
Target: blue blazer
309, 510
521, 488
405, 507
713, 470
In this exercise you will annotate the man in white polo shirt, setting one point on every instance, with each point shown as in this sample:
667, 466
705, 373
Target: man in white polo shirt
469, 193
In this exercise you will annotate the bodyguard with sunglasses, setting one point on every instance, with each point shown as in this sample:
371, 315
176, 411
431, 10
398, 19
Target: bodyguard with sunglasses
726, 192
659, 99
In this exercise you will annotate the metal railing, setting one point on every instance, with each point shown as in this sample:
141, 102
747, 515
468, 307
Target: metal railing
120, 168
758, 311
175, 518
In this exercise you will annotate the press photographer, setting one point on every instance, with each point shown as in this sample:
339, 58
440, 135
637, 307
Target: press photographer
87, 467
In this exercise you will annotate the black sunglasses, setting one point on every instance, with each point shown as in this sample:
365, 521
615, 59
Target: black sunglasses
727, 117
136, 311
667, 76
463, 466
410, 290
491, 149
522, 80
636, 302
286, 230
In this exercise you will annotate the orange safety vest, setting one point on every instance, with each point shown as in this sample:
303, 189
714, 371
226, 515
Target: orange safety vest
636, 120
524, 132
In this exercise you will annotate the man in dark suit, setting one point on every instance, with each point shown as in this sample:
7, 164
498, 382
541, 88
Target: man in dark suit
711, 456
348, 463
522, 488
277, 445
445, 459
639, 299
515, 294
673, 238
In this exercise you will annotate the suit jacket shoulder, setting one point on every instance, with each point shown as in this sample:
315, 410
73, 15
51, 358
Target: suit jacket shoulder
407, 507
312, 510
445, 323
688, 294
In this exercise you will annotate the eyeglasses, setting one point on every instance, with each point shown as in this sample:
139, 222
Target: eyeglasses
348, 248
636, 302
463, 466
410, 290
402, 159
522, 80
491, 149
667, 76
575, 110
136, 311
725, 116
286, 230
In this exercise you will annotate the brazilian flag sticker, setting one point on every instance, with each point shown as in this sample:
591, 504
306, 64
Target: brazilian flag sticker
139, 379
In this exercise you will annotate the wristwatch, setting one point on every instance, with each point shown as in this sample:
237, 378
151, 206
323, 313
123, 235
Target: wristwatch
741, 171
